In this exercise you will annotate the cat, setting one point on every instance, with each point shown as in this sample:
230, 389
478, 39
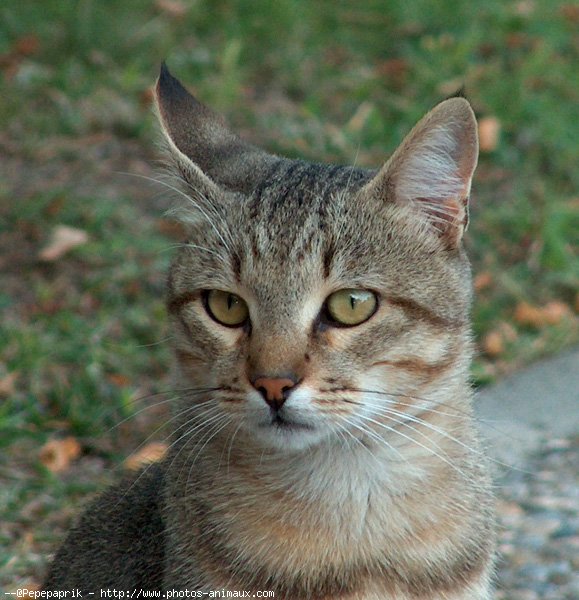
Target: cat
323, 441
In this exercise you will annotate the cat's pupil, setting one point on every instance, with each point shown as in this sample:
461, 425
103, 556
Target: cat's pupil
230, 301
353, 301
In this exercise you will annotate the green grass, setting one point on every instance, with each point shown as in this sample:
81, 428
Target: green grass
332, 81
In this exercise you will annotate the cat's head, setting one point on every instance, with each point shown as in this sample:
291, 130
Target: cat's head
312, 302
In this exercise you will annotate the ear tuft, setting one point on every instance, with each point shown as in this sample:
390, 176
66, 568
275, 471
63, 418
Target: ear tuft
433, 168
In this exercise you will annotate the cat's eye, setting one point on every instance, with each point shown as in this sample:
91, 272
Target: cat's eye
351, 306
226, 308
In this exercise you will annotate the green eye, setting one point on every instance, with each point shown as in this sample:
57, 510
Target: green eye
226, 308
351, 307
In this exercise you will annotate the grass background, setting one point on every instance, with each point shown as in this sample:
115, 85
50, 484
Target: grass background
83, 339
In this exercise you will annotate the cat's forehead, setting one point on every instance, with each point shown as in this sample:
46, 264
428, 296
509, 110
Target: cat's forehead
297, 199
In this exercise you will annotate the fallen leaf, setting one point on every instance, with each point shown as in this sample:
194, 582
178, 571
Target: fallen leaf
525, 8
493, 343
27, 45
173, 8
508, 332
28, 590
56, 455
118, 379
550, 314
489, 129
450, 87
554, 312
482, 281
7, 384
63, 240
360, 117
395, 69
151, 453
570, 12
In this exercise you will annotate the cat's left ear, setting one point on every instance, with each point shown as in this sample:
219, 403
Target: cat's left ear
433, 167
207, 154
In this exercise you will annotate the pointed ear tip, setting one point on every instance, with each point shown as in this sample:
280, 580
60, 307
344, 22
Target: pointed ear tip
164, 75
458, 106
168, 86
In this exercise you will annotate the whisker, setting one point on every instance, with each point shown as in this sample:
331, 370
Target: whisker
381, 441
417, 419
414, 441
231, 445
160, 403
147, 467
227, 421
188, 198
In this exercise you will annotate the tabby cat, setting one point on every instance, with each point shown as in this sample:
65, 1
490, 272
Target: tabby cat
323, 442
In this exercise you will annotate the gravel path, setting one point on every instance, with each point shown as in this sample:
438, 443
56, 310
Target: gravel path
539, 517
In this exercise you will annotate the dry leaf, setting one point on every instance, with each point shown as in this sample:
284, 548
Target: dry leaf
360, 117
29, 590
525, 8
482, 281
27, 45
7, 384
554, 312
508, 332
450, 87
489, 129
118, 379
551, 314
63, 239
153, 452
173, 8
56, 455
493, 343
570, 12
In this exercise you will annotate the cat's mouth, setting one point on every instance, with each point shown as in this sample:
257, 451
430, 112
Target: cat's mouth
280, 422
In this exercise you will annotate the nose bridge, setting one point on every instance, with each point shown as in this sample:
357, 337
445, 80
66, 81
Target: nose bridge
277, 355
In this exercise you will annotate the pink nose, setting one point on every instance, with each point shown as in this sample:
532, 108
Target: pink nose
274, 390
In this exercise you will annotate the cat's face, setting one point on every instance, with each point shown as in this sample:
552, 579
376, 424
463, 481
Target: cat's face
309, 303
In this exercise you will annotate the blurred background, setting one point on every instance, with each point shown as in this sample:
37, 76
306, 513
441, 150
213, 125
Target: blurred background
84, 244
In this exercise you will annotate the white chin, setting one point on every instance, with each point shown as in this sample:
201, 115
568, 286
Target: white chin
288, 438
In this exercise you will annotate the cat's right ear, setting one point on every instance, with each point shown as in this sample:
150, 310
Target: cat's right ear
432, 170
208, 155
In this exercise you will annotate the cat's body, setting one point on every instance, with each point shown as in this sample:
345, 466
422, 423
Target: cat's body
324, 445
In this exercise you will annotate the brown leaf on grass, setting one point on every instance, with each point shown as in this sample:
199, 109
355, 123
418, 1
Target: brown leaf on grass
118, 379
570, 12
172, 8
482, 281
550, 314
489, 129
450, 87
27, 45
7, 382
493, 343
395, 69
63, 240
360, 117
56, 455
525, 8
26, 591
152, 452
